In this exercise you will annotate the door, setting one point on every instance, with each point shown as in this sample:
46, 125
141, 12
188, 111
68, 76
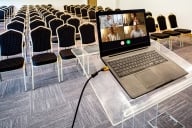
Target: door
92, 2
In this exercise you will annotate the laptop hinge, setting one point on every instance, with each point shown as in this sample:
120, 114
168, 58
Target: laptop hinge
116, 54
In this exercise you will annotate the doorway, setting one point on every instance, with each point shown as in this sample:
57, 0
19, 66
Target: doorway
92, 2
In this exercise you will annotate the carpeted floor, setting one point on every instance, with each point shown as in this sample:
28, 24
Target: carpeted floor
52, 104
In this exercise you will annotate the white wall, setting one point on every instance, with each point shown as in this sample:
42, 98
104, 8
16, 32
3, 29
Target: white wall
182, 9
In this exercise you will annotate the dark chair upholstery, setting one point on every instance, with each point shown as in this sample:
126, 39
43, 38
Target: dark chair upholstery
92, 16
36, 23
65, 17
87, 32
11, 43
78, 12
18, 19
163, 26
151, 28
66, 40
84, 14
54, 24
16, 25
173, 24
49, 18
41, 41
35, 18
75, 22
58, 14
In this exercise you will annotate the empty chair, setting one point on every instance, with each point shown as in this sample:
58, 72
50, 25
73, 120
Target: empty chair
35, 18
18, 19
11, 43
54, 24
49, 18
148, 13
2, 17
66, 41
58, 14
78, 11
173, 24
92, 16
75, 22
151, 28
41, 42
36, 23
65, 17
16, 25
163, 27
84, 14
88, 40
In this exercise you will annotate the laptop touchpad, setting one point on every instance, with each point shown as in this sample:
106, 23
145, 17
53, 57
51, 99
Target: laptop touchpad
148, 78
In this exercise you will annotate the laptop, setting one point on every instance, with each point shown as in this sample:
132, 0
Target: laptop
125, 47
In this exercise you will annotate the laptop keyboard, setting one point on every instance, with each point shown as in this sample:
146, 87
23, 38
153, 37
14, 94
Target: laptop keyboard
132, 64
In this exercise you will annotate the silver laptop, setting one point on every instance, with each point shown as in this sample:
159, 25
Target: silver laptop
125, 48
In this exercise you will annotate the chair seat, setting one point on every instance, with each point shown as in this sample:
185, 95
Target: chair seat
11, 64
153, 38
45, 58
66, 54
172, 33
184, 31
160, 35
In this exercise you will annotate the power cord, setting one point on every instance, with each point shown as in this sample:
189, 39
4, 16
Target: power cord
105, 68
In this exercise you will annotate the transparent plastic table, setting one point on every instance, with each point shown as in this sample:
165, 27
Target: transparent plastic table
118, 106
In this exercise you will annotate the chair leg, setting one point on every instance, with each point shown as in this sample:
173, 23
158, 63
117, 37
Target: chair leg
1, 77
61, 70
32, 77
24, 77
58, 71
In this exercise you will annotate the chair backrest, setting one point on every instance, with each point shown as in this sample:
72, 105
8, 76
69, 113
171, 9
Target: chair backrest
162, 22
21, 15
2, 15
49, 18
11, 42
58, 14
148, 13
34, 14
150, 24
78, 11
55, 11
16, 25
172, 21
36, 23
41, 39
65, 17
18, 19
66, 35
84, 12
87, 32
35, 18
54, 24
75, 22
91, 14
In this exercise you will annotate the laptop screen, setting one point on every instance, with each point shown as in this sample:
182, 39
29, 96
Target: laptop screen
120, 31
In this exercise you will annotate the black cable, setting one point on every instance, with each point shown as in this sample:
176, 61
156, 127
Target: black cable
92, 76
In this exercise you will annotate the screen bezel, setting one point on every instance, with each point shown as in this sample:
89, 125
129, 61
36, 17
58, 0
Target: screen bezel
114, 46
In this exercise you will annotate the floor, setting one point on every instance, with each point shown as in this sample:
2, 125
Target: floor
52, 104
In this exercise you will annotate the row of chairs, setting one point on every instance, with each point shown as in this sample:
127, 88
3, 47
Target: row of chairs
164, 32
41, 52
6, 13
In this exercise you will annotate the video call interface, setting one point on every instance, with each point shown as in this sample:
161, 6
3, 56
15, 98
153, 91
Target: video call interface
122, 26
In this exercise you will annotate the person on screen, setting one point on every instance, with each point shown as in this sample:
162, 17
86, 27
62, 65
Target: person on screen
112, 36
136, 32
134, 19
108, 22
